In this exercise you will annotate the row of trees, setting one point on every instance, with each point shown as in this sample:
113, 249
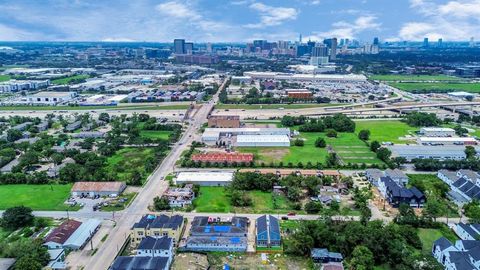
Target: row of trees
338, 122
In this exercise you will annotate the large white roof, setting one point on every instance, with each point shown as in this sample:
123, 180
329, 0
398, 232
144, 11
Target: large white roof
262, 138
447, 139
437, 129
205, 176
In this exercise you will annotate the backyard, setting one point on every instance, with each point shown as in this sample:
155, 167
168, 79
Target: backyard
37, 197
428, 236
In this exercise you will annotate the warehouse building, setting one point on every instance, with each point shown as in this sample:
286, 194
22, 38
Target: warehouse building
204, 178
220, 157
92, 189
262, 141
446, 141
446, 152
437, 132
50, 98
215, 135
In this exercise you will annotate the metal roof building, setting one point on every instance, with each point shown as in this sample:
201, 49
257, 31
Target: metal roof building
447, 141
268, 231
455, 152
263, 141
213, 178
211, 135
141, 262
81, 236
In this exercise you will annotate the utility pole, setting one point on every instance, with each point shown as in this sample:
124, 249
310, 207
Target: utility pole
91, 240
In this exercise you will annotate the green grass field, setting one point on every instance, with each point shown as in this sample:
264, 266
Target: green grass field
428, 236
67, 80
217, 200
440, 86
37, 197
212, 200
272, 106
133, 106
347, 145
385, 131
125, 161
4, 78
155, 134
414, 78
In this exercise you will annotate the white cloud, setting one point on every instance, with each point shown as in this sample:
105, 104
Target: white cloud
272, 16
343, 29
454, 20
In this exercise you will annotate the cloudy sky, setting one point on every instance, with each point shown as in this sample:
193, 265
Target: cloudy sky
237, 20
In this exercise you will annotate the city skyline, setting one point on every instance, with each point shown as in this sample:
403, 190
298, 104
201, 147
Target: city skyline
238, 20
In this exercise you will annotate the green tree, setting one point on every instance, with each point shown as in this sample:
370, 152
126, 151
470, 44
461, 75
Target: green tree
470, 151
374, 146
362, 259
312, 207
136, 179
364, 134
17, 217
13, 135
161, 203
320, 142
434, 209
331, 133
27, 263
298, 142
384, 154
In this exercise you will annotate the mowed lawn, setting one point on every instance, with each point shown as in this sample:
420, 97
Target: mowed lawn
212, 200
428, 236
37, 197
414, 78
437, 86
385, 131
272, 106
155, 134
217, 200
351, 149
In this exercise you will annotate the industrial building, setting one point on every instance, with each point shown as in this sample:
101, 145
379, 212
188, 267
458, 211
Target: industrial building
72, 234
262, 141
220, 157
446, 141
446, 152
299, 93
204, 178
92, 189
215, 135
305, 77
437, 132
50, 98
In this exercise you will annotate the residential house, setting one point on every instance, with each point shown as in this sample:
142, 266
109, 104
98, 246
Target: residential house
268, 232
464, 255
73, 126
397, 175
397, 194
469, 175
88, 134
156, 226
213, 234
467, 231
140, 262
322, 255
374, 175
180, 197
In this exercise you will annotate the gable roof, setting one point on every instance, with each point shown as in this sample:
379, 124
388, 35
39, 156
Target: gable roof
61, 234
161, 221
443, 243
139, 263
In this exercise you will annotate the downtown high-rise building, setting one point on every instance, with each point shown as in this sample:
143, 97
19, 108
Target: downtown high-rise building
179, 46
332, 45
425, 43
188, 47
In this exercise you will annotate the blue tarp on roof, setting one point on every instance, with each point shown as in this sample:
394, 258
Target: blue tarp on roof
219, 228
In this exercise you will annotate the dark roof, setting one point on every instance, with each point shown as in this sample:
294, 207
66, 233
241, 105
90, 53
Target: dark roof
149, 242
63, 232
162, 221
460, 182
475, 190
207, 226
470, 244
467, 186
399, 191
474, 253
468, 229
443, 243
269, 224
139, 263
324, 253
460, 260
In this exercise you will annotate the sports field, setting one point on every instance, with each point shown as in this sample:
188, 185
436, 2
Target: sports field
414, 78
437, 86
385, 130
37, 197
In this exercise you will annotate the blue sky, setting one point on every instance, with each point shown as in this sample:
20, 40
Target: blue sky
237, 20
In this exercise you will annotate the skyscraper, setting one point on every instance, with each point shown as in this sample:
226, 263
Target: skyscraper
440, 42
425, 42
319, 50
209, 47
332, 45
188, 47
472, 42
179, 46
375, 41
